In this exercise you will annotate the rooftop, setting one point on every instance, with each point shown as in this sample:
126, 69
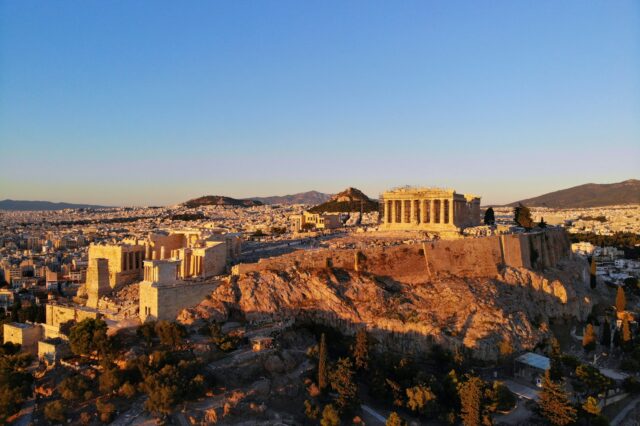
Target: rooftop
535, 360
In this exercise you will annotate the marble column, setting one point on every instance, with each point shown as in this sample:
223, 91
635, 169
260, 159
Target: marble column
441, 211
393, 211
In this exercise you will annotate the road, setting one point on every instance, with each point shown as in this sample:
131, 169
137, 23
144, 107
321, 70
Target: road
371, 416
625, 411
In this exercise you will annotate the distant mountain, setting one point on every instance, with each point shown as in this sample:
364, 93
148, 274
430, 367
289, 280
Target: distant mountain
588, 195
22, 205
349, 200
219, 200
310, 197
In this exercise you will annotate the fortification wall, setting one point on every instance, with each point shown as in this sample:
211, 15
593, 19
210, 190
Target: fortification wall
468, 257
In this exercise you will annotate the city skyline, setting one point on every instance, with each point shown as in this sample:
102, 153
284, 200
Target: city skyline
157, 103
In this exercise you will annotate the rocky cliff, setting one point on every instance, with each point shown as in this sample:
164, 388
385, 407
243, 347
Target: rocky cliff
408, 302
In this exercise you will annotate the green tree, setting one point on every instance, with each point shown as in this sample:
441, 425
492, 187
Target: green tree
105, 409
147, 332
329, 416
605, 338
311, 410
470, 393
56, 411
322, 363
88, 336
489, 217
361, 350
170, 333
625, 335
522, 216
590, 406
15, 383
74, 388
592, 379
621, 300
592, 272
505, 348
418, 397
394, 420
553, 403
109, 380
589, 338
342, 382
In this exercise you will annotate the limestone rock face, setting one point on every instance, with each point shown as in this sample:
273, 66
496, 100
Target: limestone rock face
411, 313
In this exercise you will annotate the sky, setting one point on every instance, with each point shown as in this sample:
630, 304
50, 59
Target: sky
156, 102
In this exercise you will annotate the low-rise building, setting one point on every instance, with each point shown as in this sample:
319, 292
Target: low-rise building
25, 335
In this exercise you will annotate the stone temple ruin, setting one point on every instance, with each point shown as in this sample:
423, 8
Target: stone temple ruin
175, 269
429, 209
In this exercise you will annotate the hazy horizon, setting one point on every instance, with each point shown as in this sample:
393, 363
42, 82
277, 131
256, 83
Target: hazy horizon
154, 103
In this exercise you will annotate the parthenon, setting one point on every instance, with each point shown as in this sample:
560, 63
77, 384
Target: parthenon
429, 209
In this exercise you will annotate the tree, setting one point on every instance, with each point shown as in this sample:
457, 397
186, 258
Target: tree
418, 397
589, 338
522, 216
109, 380
342, 382
592, 272
605, 338
170, 333
625, 335
322, 363
470, 392
56, 411
147, 332
329, 416
106, 410
88, 336
621, 300
553, 403
505, 347
73, 388
591, 406
555, 356
489, 217
15, 383
361, 350
310, 410
394, 420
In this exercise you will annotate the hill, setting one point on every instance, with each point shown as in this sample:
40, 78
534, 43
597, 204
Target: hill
588, 195
309, 197
24, 205
349, 200
219, 200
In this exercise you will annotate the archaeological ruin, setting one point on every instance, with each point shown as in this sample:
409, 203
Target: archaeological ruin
429, 209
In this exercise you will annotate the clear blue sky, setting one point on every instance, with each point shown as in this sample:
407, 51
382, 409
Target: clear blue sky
154, 102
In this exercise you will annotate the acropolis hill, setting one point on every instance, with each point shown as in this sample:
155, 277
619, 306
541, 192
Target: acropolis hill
471, 293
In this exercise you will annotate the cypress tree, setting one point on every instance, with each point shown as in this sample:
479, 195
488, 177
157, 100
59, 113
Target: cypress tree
470, 393
522, 216
626, 333
489, 217
342, 382
605, 339
592, 272
361, 350
553, 403
621, 300
393, 419
589, 338
322, 363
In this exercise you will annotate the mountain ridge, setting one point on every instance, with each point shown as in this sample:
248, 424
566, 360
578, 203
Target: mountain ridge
308, 197
35, 205
588, 195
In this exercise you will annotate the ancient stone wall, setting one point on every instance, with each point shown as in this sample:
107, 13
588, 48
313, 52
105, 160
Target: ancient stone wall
468, 257
59, 314
164, 302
